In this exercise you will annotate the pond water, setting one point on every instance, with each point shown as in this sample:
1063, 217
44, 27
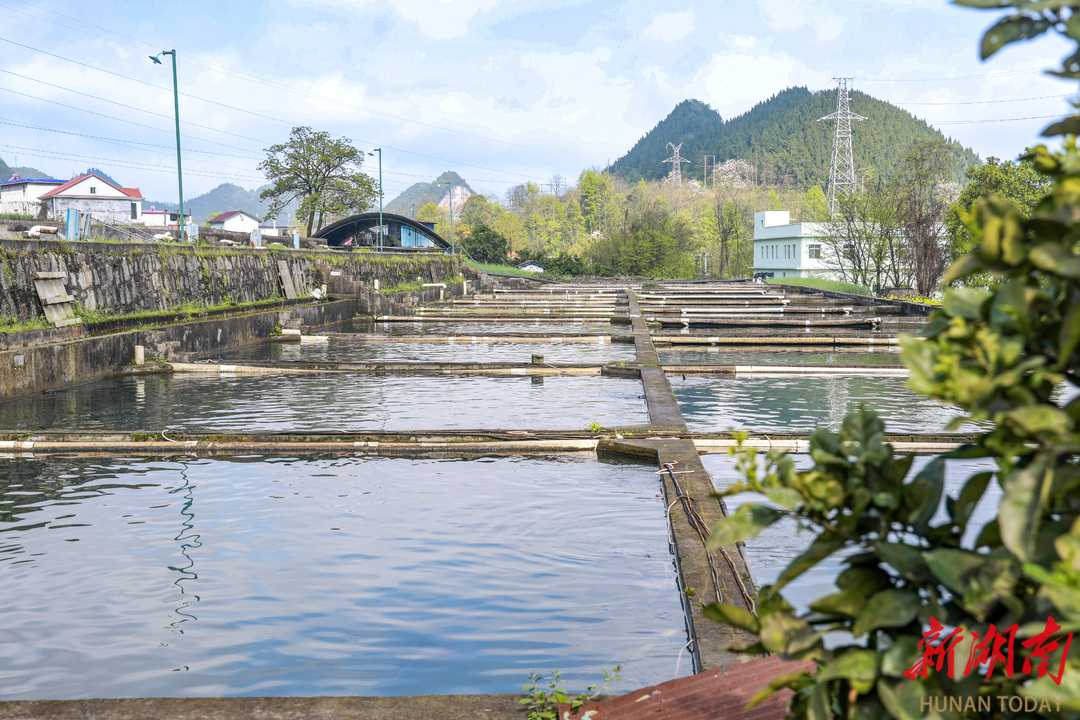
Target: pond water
782, 356
350, 348
771, 551
241, 403
800, 404
340, 576
495, 327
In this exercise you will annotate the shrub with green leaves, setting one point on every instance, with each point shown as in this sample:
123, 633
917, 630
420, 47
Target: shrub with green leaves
1000, 356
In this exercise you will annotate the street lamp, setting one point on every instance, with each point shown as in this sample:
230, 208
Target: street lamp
176, 106
372, 154
453, 248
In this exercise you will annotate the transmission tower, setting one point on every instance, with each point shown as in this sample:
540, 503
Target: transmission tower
842, 172
675, 177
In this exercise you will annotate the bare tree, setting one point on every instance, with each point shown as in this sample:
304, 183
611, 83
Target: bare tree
924, 198
864, 241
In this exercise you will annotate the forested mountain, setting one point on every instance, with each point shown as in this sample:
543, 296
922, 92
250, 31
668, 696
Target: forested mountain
419, 194
223, 198
26, 173
782, 138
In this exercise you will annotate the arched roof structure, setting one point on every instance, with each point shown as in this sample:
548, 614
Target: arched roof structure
398, 232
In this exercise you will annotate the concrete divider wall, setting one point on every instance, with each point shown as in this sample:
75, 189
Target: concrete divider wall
39, 368
126, 278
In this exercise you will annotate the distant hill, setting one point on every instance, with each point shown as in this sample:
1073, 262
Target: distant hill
100, 173
29, 173
223, 198
781, 136
420, 194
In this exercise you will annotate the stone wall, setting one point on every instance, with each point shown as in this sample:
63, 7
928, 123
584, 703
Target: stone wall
126, 278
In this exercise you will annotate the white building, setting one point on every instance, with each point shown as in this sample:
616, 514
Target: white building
24, 196
274, 230
786, 249
95, 196
162, 218
235, 221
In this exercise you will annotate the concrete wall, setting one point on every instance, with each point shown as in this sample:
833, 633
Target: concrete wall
39, 368
128, 278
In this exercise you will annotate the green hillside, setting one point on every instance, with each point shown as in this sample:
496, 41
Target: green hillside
27, 173
223, 198
419, 194
781, 136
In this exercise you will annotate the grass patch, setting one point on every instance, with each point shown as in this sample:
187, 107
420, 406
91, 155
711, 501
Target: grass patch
824, 284
403, 287
502, 269
11, 325
17, 216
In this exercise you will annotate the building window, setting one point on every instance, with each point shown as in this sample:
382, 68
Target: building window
814, 251
93, 191
134, 211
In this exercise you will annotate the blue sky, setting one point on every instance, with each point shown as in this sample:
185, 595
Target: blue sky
501, 91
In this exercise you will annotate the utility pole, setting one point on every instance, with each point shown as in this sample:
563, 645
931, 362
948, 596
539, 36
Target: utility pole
842, 171
705, 258
675, 177
179, 171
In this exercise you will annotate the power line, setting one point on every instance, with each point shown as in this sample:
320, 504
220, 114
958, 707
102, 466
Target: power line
959, 77
252, 78
997, 120
34, 152
991, 102
12, 123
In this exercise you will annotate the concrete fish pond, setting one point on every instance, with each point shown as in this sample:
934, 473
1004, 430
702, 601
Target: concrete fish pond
343, 576
404, 501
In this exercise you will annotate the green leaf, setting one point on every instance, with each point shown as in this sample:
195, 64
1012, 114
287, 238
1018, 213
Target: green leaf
1068, 126
745, 524
822, 547
785, 497
961, 508
922, 496
1055, 259
964, 267
952, 567
965, 302
858, 584
903, 698
1020, 511
1069, 337
888, 608
776, 684
1035, 419
906, 559
900, 657
858, 667
732, 615
1008, 30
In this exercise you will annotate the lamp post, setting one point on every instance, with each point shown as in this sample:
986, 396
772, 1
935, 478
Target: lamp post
453, 248
372, 154
176, 107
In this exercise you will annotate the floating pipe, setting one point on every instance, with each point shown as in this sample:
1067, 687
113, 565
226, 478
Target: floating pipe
772, 340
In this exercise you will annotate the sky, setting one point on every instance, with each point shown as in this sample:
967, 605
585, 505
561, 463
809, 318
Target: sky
500, 91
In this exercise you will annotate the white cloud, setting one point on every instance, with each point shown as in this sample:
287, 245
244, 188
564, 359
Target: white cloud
735, 82
790, 15
670, 26
744, 42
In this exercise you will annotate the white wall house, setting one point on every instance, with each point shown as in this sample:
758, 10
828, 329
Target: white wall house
24, 196
162, 218
96, 196
235, 221
787, 249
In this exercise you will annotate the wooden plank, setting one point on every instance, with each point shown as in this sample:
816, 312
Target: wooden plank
49, 276
286, 280
56, 299
69, 321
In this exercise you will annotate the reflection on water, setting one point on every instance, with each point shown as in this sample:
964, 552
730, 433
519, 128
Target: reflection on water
341, 576
331, 402
724, 356
800, 404
346, 348
497, 327
771, 551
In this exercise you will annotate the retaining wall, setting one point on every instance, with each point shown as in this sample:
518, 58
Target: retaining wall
39, 368
125, 278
